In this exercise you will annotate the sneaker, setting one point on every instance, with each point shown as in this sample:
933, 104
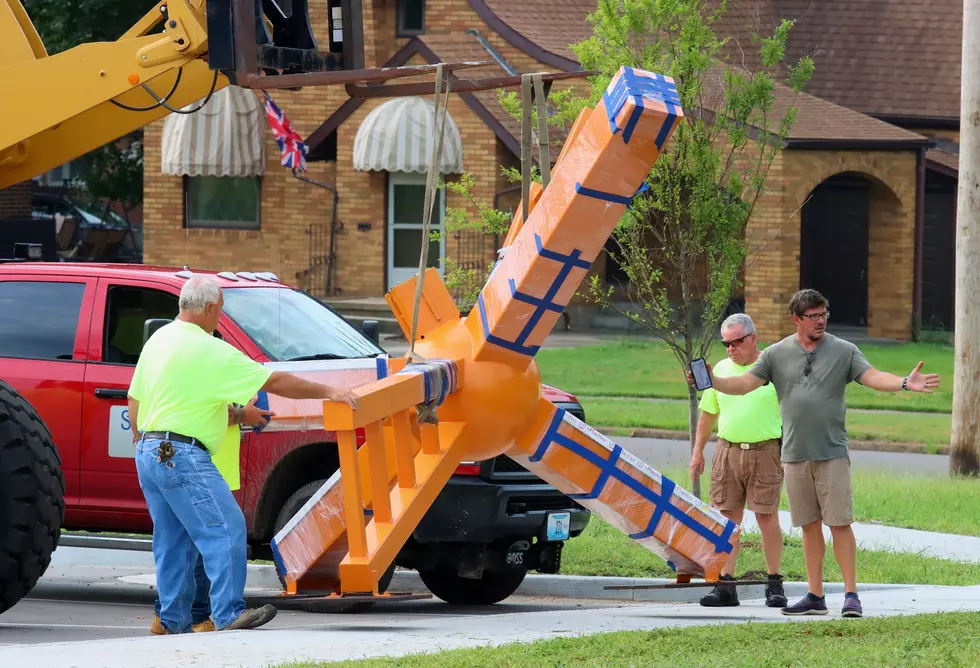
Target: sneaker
775, 596
808, 605
852, 607
722, 596
252, 619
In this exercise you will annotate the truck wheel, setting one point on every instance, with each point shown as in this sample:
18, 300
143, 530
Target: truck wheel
296, 501
492, 588
32, 497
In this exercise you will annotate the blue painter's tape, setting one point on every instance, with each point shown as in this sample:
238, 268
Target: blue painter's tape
542, 305
611, 197
277, 559
604, 474
672, 565
631, 85
662, 505
382, 363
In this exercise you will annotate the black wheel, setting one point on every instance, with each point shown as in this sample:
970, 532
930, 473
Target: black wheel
296, 501
492, 588
32, 497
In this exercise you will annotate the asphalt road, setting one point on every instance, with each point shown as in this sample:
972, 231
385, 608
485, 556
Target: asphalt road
34, 621
660, 453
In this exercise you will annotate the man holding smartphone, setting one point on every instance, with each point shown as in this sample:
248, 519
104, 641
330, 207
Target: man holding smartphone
746, 469
810, 371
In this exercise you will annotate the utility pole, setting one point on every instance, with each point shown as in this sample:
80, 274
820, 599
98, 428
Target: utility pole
965, 446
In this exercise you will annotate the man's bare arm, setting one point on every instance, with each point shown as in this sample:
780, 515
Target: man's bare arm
737, 384
293, 387
706, 423
134, 408
883, 381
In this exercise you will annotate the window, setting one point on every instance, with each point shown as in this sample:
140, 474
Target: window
127, 309
286, 324
411, 17
222, 201
39, 319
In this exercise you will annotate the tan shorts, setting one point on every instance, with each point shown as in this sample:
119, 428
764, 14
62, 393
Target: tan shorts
820, 491
738, 476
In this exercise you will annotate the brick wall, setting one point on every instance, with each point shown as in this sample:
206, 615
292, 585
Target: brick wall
15, 200
774, 275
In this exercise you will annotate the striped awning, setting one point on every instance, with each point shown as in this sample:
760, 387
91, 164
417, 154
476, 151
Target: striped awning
225, 138
400, 136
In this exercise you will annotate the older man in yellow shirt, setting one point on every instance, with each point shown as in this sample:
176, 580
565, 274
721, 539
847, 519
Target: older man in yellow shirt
179, 401
746, 470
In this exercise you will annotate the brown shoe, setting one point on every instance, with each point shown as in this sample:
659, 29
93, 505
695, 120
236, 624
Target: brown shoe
252, 619
204, 627
156, 627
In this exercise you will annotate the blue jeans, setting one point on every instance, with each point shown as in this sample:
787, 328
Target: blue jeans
194, 516
201, 607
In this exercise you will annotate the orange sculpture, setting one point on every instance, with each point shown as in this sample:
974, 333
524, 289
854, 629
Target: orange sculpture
480, 380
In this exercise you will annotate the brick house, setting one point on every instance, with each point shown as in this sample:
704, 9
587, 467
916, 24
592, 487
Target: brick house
868, 177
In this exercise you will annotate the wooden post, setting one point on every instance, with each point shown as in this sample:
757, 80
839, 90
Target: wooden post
965, 438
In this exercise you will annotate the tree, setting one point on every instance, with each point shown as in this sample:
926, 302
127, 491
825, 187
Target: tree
113, 172
682, 244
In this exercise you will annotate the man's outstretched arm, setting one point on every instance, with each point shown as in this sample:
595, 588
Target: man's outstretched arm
743, 384
888, 382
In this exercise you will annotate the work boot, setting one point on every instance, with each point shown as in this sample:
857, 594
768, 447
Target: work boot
775, 596
157, 629
252, 619
722, 596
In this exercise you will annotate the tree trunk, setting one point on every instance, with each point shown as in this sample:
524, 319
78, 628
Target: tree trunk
692, 422
965, 437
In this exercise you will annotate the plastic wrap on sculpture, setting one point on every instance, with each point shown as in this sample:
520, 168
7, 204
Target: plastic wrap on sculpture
307, 414
692, 537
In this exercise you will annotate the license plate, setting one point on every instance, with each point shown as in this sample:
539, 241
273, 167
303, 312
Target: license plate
559, 525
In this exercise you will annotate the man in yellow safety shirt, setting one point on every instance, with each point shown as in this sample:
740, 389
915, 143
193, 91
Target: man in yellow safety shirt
746, 470
179, 398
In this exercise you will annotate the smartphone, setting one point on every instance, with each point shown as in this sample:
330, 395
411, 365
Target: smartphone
702, 381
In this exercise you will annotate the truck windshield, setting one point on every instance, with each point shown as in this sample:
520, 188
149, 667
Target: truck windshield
287, 324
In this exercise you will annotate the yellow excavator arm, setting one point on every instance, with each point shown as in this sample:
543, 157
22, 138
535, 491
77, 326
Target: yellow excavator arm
56, 108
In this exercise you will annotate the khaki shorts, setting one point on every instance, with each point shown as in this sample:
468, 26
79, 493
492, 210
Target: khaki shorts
820, 491
739, 476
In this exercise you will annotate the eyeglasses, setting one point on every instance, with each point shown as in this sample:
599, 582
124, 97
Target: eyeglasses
808, 368
817, 316
734, 342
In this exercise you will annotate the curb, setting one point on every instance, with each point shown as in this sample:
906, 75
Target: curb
872, 446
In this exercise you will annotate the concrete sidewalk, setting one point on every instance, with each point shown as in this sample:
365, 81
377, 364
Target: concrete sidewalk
338, 640
892, 539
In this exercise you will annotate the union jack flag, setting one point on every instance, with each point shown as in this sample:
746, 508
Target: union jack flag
291, 145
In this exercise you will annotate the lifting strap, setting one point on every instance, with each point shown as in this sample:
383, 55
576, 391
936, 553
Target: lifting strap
435, 165
534, 88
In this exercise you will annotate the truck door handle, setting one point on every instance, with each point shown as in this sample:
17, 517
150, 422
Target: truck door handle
111, 393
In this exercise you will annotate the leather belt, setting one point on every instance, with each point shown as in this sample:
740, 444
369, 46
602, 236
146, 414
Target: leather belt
173, 437
749, 446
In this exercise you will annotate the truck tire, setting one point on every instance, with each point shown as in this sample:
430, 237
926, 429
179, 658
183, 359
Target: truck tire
296, 501
492, 588
32, 497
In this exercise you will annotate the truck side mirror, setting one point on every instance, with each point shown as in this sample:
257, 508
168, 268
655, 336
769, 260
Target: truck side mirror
370, 329
152, 325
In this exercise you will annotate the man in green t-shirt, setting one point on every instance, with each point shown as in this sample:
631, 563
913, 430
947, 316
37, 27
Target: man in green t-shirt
179, 401
746, 470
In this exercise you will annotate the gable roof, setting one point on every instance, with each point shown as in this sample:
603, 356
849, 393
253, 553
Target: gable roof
890, 58
454, 47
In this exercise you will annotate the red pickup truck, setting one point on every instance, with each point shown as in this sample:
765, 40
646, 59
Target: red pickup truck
71, 333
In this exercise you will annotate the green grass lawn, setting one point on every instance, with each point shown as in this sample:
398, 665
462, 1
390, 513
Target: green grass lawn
945, 639
931, 429
647, 369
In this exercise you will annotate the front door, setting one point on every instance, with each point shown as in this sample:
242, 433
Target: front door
834, 247
109, 481
406, 205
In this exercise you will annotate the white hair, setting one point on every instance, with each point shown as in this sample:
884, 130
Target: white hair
739, 319
197, 293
